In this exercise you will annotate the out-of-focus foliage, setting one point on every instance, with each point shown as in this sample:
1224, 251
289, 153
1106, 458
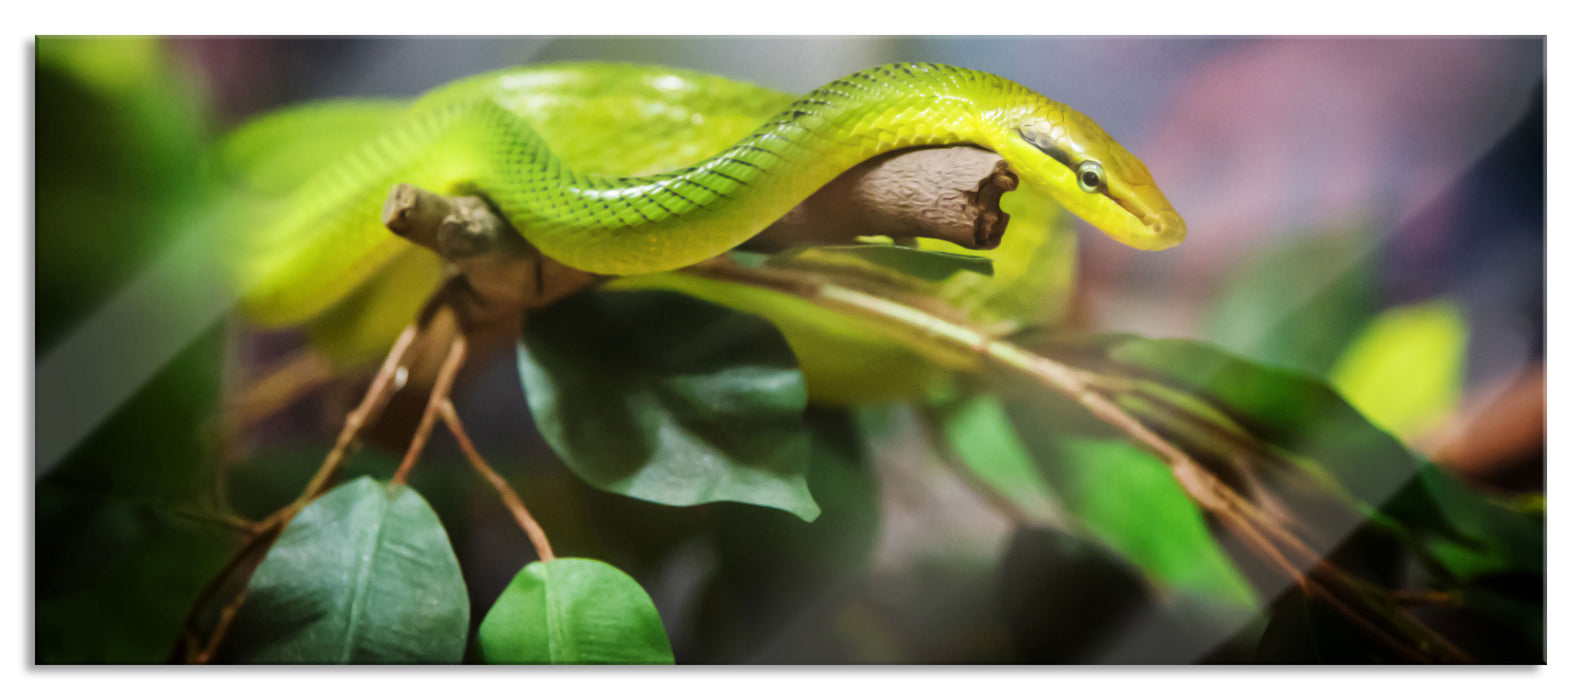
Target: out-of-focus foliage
126, 528
1069, 599
1298, 303
1309, 305
669, 399
120, 131
573, 611
1403, 370
364, 574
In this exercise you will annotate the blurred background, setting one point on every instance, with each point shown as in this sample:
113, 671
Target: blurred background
1369, 210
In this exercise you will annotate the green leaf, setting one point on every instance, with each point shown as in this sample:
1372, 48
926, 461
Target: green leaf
931, 265
669, 399
1403, 371
1297, 304
978, 431
365, 574
573, 611
1066, 598
1128, 499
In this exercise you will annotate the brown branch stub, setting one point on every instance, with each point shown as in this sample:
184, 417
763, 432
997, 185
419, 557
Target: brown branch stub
952, 194
504, 274
414, 213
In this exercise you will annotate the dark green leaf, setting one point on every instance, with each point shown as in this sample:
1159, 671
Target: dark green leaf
1301, 630
365, 574
573, 611
666, 398
931, 265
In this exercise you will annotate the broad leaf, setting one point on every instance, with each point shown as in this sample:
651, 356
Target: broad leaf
1066, 598
666, 398
573, 611
980, 433
365, 574
1128, 499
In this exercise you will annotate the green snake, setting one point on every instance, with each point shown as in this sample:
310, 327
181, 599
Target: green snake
624, 170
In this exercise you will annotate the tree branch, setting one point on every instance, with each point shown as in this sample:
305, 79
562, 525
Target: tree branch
952, 194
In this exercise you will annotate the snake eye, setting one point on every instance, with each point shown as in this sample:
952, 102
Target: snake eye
1090, 175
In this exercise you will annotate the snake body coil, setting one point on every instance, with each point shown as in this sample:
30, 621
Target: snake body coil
478, 135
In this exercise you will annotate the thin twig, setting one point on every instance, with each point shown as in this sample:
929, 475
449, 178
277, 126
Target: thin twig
535, 532
440, 394
378, 395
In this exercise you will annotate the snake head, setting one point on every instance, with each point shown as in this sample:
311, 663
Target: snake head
1064, 153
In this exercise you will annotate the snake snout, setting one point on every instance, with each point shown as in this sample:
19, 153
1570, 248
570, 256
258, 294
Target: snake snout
1166, 228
